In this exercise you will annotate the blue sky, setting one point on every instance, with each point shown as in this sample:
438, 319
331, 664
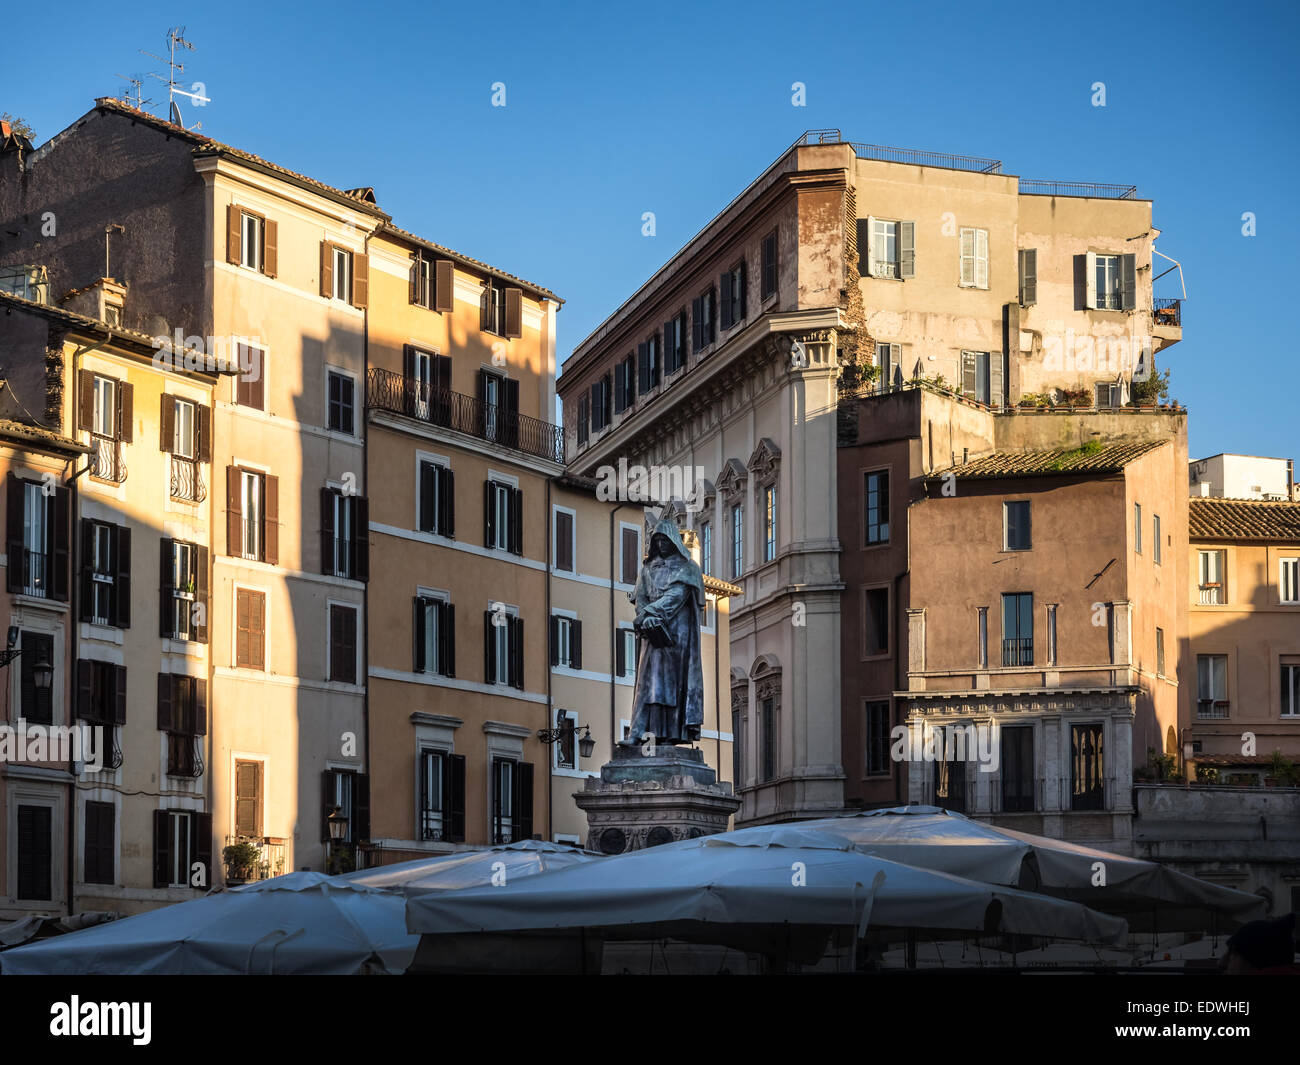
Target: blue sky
614, 110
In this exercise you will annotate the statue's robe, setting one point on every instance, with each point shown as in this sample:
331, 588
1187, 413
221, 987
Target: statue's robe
669, 595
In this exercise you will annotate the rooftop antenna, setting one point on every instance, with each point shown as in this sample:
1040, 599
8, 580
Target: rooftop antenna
175, 38
134, 95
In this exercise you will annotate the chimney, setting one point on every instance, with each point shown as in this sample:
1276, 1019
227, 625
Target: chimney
1204, 486
103, 300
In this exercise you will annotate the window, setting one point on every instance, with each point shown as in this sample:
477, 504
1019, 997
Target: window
250, 248
877, 754
982, 652
1155, 540
600, 403
349, 791
1137, 528
442, 796
1213, 578
1212, 686
426, 385
101, 700
1087, 768
876, 495
981, 377
629, 554
1110, 632
706, 547
342, 261
250, 388
1288, 582
1028, 269
704, 320
583, 419
105, 574
886, 248
36, 705
737, 540
344, 532
566, 747
99, 856
250, 629
343, 643
435, 636
648, 366
769, 523
436, 507
1160, 652
503, 517
341, 402
1052, 651
1290, 687
252, 504
35, 853
1015, 526
675, 343
503, 646
876, 611
494, 313
565, 541
625, 652
974, 258
769, 266
183, 591
181, 839
512, 800
248, 798
185, 432
36, 539
732, 288
106, 410
949, 772
888, 357
624, 384
183, 716
1107, 394
1018, 629
566, 641
1017, 768
767, 724
1106, 277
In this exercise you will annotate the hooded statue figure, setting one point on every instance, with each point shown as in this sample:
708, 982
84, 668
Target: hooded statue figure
669, 595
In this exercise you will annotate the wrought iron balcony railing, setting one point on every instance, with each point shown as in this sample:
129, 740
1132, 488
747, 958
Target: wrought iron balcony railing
1018, 651
1077, 188
269, 862
106, 459
1168, 312
393, 392
187, 481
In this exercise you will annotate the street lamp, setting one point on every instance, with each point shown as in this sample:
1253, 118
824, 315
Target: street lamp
338, 830
43, 675
586, 745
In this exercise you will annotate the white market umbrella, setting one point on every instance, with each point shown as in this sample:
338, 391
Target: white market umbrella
467, 869
1149, 895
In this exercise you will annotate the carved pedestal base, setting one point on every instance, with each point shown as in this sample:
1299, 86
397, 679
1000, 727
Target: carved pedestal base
643, 800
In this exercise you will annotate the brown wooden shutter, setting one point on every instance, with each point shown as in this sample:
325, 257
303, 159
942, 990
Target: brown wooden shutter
201, 844
166, 722
271, 519
125, 411
270, 247
326, 269
516, 643
234, 251
162, 848
85, 688
444, 298
16, 570
166, 615
575, 644
489, 649
122, 575
361, 539
360, 279
514, 312
201, 594
167, 423
327, 530
234, 516
553, 638
447, 638
119, 695
203, 421
243, 607
57, 540
361, 807
524, 795
517, 521
454, 801
248, 799
87, 405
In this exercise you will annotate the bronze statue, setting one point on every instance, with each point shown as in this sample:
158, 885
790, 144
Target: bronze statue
669, 596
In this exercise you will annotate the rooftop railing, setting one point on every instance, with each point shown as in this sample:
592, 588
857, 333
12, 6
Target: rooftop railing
1077, 188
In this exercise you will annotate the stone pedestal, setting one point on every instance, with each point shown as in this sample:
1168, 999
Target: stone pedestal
645, 799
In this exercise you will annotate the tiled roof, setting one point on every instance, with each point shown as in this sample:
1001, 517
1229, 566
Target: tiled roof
11, 431
362, 198
1243, 519
1106, 458
488, 268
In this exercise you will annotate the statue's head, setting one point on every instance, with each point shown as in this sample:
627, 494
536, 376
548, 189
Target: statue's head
661, 546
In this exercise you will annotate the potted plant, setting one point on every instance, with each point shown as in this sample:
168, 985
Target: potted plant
1281, 771
1207, 774
241, 859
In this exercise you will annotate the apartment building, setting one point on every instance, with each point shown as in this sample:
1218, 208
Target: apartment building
1225, 476
598, 547
1242, 703
137, 831
265, 271
461, 456
845, 269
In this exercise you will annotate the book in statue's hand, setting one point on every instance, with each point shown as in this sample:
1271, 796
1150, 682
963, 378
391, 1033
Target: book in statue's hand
656, 634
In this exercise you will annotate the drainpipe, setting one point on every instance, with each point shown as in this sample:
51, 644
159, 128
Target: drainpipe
365, 588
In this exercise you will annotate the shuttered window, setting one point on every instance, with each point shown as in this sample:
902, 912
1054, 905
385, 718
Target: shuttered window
36, 704
769, 266
250, 390
1028, 262
630, 554
512, 800
183, 590
35, 852
437, 499
100, 847
341, 403
105, 574
248, 798
250, 629
435, 636
252, 515
343, 643
974, 258
564, 541
36, 539
704, 320
345, 535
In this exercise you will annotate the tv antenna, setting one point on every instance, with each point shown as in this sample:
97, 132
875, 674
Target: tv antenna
135, 94
175, 39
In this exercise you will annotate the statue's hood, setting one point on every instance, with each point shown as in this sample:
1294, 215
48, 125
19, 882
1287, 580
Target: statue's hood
684, 569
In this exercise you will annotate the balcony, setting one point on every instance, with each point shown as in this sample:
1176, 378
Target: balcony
1212, 595
184, 759
406, 396
1018, 651
1212, 708
106, 459
187, 481
36, 571
1077, 188
270, 861
1168, 312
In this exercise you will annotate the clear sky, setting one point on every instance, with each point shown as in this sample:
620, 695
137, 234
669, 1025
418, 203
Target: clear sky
613, 110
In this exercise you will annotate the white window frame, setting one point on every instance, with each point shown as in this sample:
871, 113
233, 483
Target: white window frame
770, 503
182, 600
1109, 296
343, 261
1137, 528
879, 263
973, 253
433, 459
501, 638
102, 579
570, 718
1293, 564
737, 540
626, 633
1218, 570
501, 494
564, 636
185, 419
104, 414
252, 240
1289, 690
1007, 504
1157, 557
252, 487
706, 546
432, 663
